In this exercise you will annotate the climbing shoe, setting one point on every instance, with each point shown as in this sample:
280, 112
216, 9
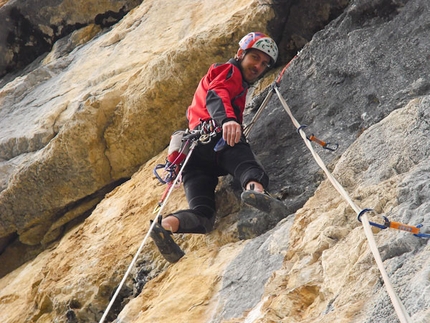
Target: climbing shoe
165, 243
259, 213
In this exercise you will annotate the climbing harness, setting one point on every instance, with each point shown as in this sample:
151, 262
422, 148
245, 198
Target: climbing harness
202, 135
179, 148
415, 230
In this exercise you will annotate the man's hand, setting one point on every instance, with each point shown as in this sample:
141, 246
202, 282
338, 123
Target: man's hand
231, 132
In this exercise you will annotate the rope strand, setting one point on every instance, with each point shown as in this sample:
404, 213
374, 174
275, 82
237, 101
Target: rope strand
398, 306
139, 250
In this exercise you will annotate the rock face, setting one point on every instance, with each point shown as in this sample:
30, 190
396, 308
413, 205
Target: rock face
82, 121
82, 127
30, 28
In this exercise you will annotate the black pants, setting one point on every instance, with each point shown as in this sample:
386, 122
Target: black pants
200, 178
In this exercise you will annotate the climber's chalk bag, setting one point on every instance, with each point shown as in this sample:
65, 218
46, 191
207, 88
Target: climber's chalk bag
176, 154
178, 148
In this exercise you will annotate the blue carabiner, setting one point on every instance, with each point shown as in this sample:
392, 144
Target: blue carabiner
422, 235
380, 226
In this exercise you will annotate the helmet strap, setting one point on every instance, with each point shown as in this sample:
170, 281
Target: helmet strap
240, 54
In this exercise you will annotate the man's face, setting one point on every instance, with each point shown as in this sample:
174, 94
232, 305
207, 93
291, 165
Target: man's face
253, 63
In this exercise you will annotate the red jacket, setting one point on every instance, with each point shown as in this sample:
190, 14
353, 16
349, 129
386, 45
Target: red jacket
220, 95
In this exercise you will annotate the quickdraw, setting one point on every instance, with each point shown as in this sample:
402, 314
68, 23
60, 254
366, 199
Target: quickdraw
415, 230
325, 145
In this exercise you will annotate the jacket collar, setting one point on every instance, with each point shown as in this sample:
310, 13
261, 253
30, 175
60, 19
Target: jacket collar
234, 62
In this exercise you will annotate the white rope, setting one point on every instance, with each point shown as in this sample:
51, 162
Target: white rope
193, 144
398, 306
266, 100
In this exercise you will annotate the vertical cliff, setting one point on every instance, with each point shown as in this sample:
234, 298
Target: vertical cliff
84, 122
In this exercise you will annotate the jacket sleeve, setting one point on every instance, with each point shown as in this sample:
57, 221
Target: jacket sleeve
224, 85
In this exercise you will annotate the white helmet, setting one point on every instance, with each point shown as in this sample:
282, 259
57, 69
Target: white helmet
262, 42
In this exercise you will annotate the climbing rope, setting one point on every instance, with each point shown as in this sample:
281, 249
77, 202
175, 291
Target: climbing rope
398, 306
203, 136
139, 250
266, 100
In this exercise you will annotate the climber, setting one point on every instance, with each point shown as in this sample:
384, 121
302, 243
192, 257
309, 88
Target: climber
220, 96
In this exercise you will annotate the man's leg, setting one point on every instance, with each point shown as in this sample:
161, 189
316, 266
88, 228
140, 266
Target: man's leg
199, 187
200, 191
259, 212
170, 223
200, 177
241, 162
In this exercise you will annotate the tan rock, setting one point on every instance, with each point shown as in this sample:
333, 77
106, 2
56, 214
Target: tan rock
110, 110
98, 126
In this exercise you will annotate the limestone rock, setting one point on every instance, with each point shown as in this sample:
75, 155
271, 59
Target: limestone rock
81, 120
29, 29
105, 114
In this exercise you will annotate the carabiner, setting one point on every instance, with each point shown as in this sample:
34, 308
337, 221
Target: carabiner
205, 138
421, 235
208, 129
415, 230
325, 145
380, 226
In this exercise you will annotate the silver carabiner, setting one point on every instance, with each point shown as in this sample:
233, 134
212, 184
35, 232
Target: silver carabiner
205, 138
